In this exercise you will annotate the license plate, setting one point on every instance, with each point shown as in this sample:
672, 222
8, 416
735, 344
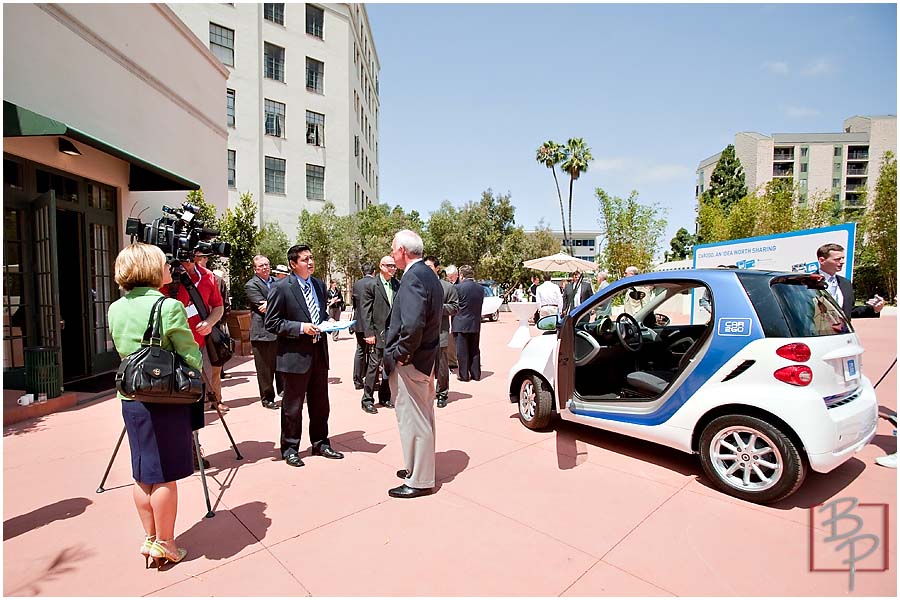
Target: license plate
851, 369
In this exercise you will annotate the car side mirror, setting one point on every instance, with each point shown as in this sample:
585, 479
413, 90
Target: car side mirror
548, 323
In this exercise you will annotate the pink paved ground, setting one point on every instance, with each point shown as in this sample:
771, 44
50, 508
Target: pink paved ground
572, 511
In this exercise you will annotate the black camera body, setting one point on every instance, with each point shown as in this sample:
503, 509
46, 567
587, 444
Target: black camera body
179, 235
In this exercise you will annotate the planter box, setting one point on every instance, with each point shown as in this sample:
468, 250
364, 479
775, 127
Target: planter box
239, 328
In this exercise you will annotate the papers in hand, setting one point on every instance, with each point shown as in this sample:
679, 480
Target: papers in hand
328, 326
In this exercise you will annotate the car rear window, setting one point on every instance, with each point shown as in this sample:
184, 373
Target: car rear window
793, 306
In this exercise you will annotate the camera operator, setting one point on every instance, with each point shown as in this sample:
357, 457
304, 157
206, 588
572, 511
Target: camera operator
201, 259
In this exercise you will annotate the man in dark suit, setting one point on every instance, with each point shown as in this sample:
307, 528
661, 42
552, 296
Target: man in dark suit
576, 292
263, 342
410, 353
451, 307
831, 260
376, 309
360, 359
467, 325
296, 309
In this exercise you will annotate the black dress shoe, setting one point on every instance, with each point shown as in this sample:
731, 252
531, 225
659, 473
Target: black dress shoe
442, 402
357, 386
404, 491
269, 404
463, 378
402, 473
369, 408
386, 404
294, 460
326, 451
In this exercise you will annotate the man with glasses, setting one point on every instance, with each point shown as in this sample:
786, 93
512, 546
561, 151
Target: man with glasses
376, 309
262, 341
296, 308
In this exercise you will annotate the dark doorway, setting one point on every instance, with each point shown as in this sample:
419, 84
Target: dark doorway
71, 293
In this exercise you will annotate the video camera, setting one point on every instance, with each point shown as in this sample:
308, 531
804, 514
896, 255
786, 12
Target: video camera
178, 235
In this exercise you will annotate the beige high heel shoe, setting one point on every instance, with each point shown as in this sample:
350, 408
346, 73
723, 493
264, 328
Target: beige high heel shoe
161, 555
145, 549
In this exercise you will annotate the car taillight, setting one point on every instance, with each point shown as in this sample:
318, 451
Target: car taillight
795, 375
795, 352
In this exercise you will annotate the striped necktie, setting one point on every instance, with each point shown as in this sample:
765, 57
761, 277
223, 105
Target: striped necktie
311, 303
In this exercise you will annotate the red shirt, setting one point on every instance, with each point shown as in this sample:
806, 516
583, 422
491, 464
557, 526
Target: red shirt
209, 291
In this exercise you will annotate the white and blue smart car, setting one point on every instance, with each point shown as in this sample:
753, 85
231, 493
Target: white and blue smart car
758, 372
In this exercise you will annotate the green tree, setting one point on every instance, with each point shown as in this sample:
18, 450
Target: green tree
326, 234
206, 215
273, 243
727, 182
238, 228
372, 231
631, 231
681, 245
881, 226
550, 155
576, 157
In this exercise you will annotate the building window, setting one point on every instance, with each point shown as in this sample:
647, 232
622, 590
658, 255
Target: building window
274, 12
315, 182
275, 168
229, 107
315, 20
355, 145
315, 128
221, 43
836, 184
804, 152
804, 167
315, 75
232, 171
837, 150
274, 56
274, 118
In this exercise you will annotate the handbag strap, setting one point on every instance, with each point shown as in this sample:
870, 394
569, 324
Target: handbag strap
152, 335
194, 293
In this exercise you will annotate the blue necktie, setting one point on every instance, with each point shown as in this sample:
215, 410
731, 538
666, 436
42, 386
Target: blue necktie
311, 303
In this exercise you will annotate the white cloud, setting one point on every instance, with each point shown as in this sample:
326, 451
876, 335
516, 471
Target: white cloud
776, 66
818, 67
610, 164
800, 112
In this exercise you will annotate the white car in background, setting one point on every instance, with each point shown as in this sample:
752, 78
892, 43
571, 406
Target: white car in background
490, 310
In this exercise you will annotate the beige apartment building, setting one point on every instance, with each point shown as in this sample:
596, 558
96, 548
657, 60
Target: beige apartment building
301, 105
845, 164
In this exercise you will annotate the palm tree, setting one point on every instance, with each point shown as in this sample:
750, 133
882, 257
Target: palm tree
575, 158
550, 155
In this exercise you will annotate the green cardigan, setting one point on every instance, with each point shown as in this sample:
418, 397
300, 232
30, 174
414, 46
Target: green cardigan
128, 319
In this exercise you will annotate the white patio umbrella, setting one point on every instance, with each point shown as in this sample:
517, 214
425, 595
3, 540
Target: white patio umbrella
560, 262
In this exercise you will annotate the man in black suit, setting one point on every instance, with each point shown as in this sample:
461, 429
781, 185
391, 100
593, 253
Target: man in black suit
360, 359
576, 292
831, 260
410, 353
467, 325
376, 308
296, 309
451, 307
263, 342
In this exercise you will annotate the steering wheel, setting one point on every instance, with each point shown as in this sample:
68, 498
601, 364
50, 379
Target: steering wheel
629, 332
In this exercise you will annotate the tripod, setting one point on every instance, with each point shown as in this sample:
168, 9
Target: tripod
209, 510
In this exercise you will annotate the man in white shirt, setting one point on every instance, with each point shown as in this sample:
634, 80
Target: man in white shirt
831, 260
549, 298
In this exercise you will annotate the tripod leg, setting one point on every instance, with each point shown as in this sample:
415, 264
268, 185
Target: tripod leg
237, 452
100, 489
209, 511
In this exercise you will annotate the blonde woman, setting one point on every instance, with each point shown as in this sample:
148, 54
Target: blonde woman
159, 434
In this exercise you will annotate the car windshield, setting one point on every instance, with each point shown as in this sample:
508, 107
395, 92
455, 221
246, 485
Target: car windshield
487, 290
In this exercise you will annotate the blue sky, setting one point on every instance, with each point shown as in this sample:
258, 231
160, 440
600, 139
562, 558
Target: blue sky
469, 91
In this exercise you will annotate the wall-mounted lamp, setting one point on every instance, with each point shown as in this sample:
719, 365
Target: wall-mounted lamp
67, 147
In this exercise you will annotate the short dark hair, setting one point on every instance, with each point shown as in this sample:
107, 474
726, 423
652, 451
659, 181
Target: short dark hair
467, 271
368, 268
296, 250
548, 276
433, 260
825, 250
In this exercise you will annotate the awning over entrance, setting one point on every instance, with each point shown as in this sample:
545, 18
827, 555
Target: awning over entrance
144, 176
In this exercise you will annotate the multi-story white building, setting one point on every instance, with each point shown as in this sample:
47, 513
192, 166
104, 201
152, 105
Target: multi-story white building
302, 106
585, 244
845, 164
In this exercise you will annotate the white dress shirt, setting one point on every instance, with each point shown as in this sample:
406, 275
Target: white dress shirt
548, 293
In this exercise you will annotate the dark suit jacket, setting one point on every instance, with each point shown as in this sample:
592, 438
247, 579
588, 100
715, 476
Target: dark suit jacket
569, 295
257, 293
356, 296
451, 307
471, 298
863, 311
377, 310
285, 314
415, 328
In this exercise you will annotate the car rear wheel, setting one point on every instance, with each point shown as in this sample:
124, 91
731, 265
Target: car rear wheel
495, 316
750, 459
535, 403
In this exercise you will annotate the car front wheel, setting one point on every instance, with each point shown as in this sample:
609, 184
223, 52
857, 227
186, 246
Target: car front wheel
495, 316
535, 402
750, 459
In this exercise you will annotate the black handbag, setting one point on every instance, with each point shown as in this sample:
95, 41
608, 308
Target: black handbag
153, 374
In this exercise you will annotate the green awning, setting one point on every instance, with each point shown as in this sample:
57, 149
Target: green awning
143, 177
